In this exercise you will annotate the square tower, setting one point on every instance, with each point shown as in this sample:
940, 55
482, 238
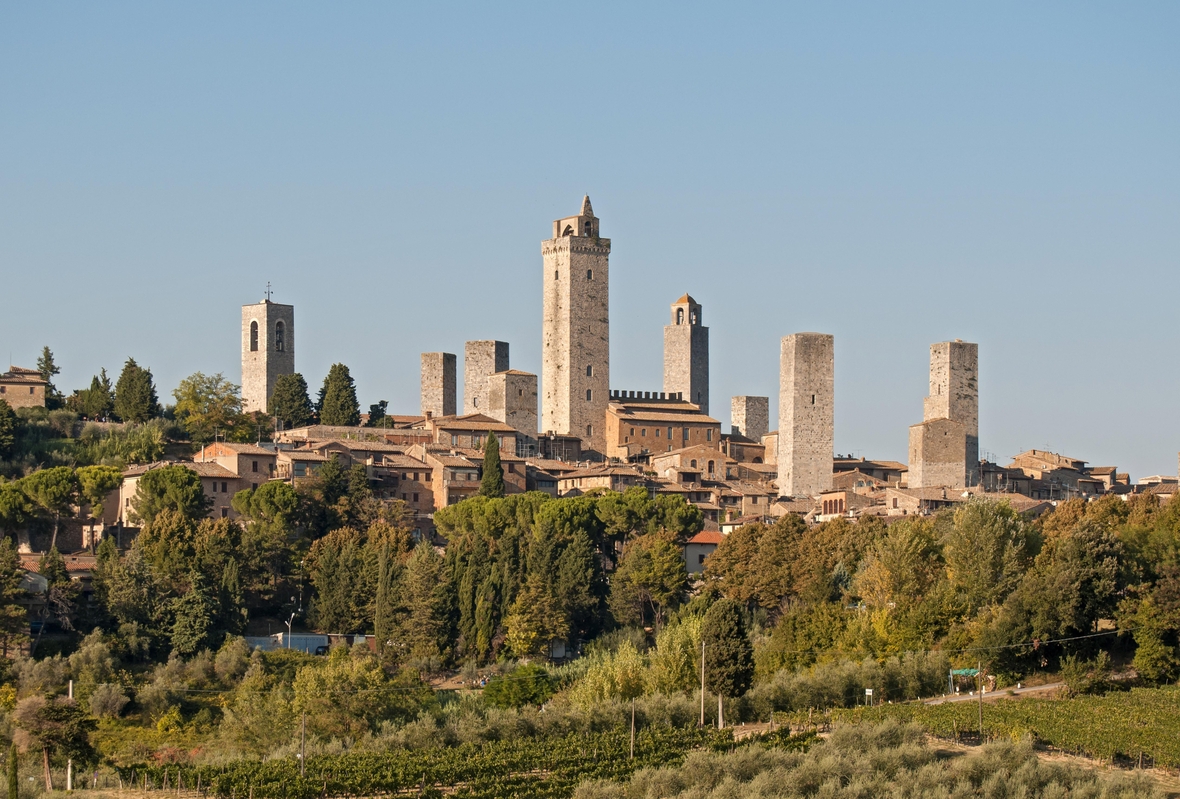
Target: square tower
268, 350
512, 399
686, 354
805, 414
575, 329
439, 373
954, 395
749, 417
481, 359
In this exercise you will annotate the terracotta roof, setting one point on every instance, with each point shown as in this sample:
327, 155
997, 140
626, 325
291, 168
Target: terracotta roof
944, 494
206, 469
74, 563
644, 415
454, 461
16, 374
472, 421
401, 461
304, 455
361, 446
686, 298
552, 466
241, 449
602, 471
707, 537
516, 372
1102, 469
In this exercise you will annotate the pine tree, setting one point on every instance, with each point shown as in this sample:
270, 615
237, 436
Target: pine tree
492, 484
14, 620
48, 369
135, 394
337, 401
8, 425
289, 402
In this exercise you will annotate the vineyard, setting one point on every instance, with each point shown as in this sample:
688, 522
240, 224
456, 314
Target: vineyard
532, 768
1117, 726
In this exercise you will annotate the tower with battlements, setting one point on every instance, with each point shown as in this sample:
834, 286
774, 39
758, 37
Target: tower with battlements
686, 354
268, 350
575, 330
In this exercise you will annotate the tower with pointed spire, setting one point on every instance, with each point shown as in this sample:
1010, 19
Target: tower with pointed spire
575, 335
686, 353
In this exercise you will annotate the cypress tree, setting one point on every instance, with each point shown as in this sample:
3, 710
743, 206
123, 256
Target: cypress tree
337, 401
289, 402
135, 394
385, 605
729, 657
492, 483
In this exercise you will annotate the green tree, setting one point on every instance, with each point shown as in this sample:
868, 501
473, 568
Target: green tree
729, 657
95, 402
15, 508
49, 369
58, 727
208, 405
650, 581
53, 491
272, 503
289, 403
424, 631
753, 564
13, 778
337, 403
135, 394
171, 487
529, 684
535, 620
9, 422
986, 553
339, 575
492, 483
96, 483
385, 604
377, 414
14, 617
195, 612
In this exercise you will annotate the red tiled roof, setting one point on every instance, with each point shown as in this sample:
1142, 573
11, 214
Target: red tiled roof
707, 537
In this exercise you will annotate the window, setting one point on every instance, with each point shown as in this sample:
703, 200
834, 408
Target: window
477, 441
632, 431
223, 488
670, 432
32, 390
589, 394
475, 402
709, 434
253, 466
403, 497
520, 392
812, 399
454, 440
589, 430
753, 500
512, 468
415, 497
589, 274
685, 436
214, 489
643, 433
679, 316
555, 274
711, 467
224, 512
692, 464
700, 559
280, 337
589, 371
657, 432
253, 337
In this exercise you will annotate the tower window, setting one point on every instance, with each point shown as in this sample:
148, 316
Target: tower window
280, 338
589, 394
679, 316
711, 469
812, 399
709, 434
589, 274
670, 432
589, 371
556, 274
692, 464
253, 337
589, 430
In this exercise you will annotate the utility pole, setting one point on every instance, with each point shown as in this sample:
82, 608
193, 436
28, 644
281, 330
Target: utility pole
303, 746
70, 762
979, 672
632, 728
702, 683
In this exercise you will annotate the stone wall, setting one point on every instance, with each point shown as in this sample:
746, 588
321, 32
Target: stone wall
938, 455
439, 374
481, 359
512, 399
575, 339
268, 350
750, 417
686, 354
954, 395
805, 411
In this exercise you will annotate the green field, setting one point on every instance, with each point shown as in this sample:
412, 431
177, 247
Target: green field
1118, 725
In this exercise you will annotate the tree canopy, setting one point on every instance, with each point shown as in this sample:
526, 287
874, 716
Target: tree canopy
289, 402
135, 394
337, 403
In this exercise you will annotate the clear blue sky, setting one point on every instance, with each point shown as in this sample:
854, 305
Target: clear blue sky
895, 174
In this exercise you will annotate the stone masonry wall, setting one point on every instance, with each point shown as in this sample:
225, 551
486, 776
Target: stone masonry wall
938, 455
954, 394
805, 409
512, 399
575, 339
481, 359
686, 356
262, 366
750, 416
439, 375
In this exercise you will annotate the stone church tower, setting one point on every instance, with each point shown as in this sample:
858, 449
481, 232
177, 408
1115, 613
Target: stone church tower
268, 350
575, 335
686, 354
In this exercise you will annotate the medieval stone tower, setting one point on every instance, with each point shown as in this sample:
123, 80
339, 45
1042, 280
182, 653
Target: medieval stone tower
481, 359
575, 334
805, 414
944, 448
438, 383
268, 350
686, 353
750, 417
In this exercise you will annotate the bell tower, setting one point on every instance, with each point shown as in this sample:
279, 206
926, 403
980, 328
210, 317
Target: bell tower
575, 333
686, 353
268, 350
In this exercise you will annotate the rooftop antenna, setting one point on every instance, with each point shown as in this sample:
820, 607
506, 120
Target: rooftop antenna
268, 291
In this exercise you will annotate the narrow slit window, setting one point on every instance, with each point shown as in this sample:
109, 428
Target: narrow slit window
280, 337
253, 337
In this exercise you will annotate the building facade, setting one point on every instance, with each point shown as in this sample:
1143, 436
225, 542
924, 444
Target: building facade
954, 397
512, 399
806, 414
749, 417
481, 360
23, 388
439, 392
686, 354
268, 351
575, 336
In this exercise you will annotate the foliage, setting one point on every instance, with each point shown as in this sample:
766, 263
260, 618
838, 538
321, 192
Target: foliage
96, 484
729, 657
135, 394
121, 445
337, 403
209, 406
8, 425
49, 369
175, 488
650, 580
525, 685
14, 622
492, 482
289, 403
52, 491
96, 402
58, 727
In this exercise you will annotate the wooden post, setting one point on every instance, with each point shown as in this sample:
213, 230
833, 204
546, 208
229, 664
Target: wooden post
979, 675
702, 683
303, 746
632, 728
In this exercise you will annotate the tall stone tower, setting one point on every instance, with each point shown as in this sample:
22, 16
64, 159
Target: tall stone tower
686, 353
481, 359
750, 417
268, 350
948, 454
512, 399
575, 335
438, 383
805, 414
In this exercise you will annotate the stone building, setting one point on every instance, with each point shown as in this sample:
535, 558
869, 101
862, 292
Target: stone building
686, 354
23, 388
512, 399
575, 336
268, 350
481, 359
640, 423
439, 372
806, 414
749, 417
937, 458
